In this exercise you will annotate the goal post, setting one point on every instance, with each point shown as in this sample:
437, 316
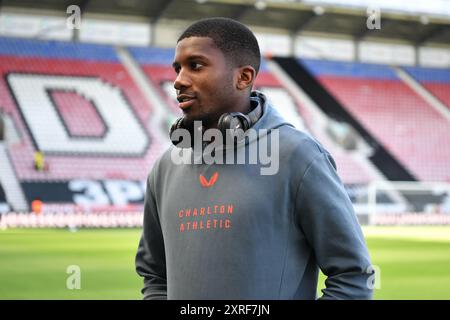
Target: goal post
394, 203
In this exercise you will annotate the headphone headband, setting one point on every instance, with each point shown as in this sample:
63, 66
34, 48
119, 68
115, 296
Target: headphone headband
255, 114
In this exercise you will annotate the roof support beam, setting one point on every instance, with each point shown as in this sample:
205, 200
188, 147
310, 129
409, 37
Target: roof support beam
76, 32
305, 23
243, 11
430, 34
155, 18
161, 11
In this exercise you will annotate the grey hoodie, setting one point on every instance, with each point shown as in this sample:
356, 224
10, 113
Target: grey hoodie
226, 231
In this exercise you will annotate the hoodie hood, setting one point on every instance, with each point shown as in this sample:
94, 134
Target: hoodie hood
270, 118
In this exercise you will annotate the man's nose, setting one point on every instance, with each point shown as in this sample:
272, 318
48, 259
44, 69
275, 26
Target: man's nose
181, 81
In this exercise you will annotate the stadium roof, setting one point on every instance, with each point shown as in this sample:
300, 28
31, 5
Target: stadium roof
290, 15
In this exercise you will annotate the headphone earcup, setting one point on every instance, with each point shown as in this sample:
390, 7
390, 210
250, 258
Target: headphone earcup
223, 122
233, 121
246, 123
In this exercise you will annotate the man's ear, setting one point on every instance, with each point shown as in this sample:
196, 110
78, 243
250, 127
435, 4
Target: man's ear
245, 77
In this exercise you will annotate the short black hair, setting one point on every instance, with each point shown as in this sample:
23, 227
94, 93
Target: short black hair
234, 39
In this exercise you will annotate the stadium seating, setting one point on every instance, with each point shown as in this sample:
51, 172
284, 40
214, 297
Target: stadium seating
414, 132
92, 119
436, 81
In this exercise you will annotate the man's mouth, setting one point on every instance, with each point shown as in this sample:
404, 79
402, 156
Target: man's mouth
185, 100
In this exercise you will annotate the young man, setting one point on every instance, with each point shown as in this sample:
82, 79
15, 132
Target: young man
233, 230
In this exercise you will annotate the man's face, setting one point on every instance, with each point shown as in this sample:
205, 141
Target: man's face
205, 81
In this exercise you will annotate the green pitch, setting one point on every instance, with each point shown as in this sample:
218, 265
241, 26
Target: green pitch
414, 263
33, 264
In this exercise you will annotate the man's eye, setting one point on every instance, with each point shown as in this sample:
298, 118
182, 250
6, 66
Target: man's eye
196, 65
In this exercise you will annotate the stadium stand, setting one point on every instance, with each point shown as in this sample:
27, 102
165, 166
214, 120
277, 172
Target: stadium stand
93, 100
4, 207
436, 81
92, 120
392, 112
93, 124
2, 128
